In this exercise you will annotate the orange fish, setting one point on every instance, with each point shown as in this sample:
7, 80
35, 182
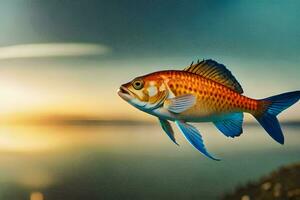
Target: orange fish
203, 92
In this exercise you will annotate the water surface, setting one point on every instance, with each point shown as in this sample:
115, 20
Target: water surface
133, 162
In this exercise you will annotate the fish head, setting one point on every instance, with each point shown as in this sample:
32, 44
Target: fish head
145, 93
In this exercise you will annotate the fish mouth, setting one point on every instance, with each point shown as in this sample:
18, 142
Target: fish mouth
124, 93
123, 90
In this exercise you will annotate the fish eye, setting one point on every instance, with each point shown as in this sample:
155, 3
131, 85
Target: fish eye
138, 84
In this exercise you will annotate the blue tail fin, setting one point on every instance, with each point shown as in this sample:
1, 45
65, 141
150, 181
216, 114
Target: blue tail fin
270, 108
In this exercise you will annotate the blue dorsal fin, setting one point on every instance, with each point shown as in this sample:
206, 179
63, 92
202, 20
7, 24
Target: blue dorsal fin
231, 126
217, 72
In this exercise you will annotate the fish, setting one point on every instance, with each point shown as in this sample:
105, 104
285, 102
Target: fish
203, 92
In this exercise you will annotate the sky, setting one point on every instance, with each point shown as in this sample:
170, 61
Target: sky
66, 59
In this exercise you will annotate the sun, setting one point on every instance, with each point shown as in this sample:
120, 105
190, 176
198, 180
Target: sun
14, 96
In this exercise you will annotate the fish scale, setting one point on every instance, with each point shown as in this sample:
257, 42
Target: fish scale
212, 97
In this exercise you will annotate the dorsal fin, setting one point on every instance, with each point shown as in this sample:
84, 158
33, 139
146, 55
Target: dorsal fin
217, 72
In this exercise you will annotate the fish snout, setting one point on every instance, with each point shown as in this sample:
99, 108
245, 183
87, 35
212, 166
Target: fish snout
124, 93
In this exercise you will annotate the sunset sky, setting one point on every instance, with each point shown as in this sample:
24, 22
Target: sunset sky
67, 59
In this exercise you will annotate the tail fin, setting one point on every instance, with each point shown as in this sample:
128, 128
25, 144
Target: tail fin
270, 108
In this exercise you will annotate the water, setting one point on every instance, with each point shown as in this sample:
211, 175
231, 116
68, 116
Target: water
133, 162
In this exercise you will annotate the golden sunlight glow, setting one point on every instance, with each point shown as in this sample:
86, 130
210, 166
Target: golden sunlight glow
40, 91
36, 196
36, 139
15, 96
27, 142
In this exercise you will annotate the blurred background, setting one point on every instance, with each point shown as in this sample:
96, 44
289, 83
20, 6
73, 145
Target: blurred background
65, 133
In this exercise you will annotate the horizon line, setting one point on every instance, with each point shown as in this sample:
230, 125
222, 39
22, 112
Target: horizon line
115, 122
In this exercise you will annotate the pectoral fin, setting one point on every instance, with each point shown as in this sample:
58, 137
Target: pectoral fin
166, 126
194, 137
180, 103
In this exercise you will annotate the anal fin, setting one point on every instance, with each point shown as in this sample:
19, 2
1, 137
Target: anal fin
231, 126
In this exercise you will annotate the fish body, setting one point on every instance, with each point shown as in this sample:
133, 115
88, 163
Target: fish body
213, 100
203, 92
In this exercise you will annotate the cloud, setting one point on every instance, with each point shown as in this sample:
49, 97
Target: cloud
52, 50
